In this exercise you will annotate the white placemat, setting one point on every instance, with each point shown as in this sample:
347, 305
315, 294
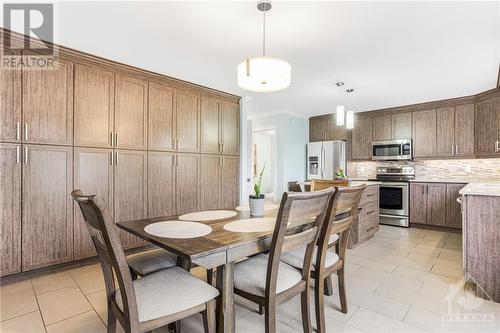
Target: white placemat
251, 225
208, 215
267, 206
178, 229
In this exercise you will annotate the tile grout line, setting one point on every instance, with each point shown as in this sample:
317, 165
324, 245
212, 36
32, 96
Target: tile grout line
39, 308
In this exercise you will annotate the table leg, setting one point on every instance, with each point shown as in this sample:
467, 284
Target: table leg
225, 302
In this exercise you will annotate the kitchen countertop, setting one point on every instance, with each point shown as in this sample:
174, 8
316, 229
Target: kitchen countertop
367, 182
488, 189
441, 180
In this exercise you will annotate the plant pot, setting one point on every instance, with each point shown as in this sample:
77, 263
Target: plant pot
256, 205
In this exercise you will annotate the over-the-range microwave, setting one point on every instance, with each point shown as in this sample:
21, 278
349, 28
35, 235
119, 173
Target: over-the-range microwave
392, 150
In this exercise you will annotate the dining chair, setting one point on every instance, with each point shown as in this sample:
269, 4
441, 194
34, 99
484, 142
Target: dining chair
152, 301
264, 279
344, 209
294, 187
321, 184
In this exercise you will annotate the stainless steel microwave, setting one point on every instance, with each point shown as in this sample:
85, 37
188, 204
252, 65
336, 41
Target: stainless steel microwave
392, 150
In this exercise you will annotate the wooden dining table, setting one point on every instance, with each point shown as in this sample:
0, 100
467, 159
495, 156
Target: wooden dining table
220, 249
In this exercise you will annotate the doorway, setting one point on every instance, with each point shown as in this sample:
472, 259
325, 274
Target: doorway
264, 153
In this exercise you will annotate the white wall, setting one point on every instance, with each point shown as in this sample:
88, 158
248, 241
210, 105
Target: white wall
264, 143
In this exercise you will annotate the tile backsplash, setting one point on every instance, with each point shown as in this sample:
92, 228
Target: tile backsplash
473, 169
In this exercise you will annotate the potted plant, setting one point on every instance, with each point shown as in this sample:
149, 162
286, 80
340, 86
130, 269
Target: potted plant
256, 201
339, 173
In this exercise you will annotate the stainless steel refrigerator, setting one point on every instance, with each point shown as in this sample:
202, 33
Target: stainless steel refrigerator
324, 157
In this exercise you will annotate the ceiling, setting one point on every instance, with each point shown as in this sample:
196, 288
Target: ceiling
391, 53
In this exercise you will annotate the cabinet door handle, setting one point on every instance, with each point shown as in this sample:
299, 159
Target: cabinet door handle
18, 154
178, 144
112, 141
222, 147
18, 131
497, 148
111, 157
452, 149
116, 158
456, 149
116, 139
25, 155
26, 131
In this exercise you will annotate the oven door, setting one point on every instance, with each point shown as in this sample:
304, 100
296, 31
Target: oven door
394, 199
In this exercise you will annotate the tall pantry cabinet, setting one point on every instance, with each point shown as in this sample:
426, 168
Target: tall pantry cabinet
140, 140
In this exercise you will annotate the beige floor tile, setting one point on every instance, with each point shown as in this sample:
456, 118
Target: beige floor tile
424, 276
370, 321
424, 319
448, 271
99, 303
436, 289
83, 323
52, 282
62, 304
374, 275
453, 246
448, 254
383, 265
379, 304
89, 280
28, 323
17, 299
254, 323
420, 265
456, 263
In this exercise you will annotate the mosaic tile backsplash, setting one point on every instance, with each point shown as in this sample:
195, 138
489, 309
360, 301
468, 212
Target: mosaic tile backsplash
487, 169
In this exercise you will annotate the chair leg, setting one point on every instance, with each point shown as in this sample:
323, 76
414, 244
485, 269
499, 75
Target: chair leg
319, 302
133, 274
342, 294
305, 306
111, 321
178, 326
270, 317
328, 286
261, 310
210, 276
209, 317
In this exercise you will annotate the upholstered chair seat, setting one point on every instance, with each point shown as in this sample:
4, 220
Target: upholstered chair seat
295, 258
148, 262
333, 239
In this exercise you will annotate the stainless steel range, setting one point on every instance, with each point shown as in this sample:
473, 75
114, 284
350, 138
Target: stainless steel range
394, 195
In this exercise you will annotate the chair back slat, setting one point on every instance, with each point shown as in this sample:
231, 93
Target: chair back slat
295, 206
111, 255
321, 184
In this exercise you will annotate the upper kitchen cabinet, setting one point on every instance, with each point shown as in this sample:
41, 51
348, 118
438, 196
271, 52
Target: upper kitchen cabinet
455, 131
161, 128
230, 124
10, 106
361, 138
424, 133
47, 103
487, 127
445, 136
382, 128
94, 107
210, 125
324, 128
131, 100
187, 106
392, 127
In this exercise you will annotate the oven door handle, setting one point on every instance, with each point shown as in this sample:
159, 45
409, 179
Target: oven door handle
391, 185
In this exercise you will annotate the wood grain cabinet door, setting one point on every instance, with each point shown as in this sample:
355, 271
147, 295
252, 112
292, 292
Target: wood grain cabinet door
453, 208
418, 203
10, 106
401, 126
230, 182
10, 203
487, 127
48, 105
210, 179
210, 125
131, 121
47, 207
436, 204
464, 130
424, 133
187, 183
94, 107
316, 130
93, 174
161, 129
335, 132
382, 128
230, 115
161, 184
445, 132
361, 139
187, 122
130, 194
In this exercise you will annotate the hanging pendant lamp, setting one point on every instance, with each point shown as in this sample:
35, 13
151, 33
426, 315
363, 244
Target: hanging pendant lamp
349, 123
264, 74
340, 114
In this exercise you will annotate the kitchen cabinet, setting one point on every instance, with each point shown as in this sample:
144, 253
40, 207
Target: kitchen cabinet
131, 100
93, 174
455, 131
161, 184
366, 223
187, 122
230, 120
94, 107
418, 203
10, 106
10, 219
424, 133
187, 185
445, 136
210, 182
453, 208
487, 127
47, 104
325, 128
317, 129
47, 207
230, 182
130, 191
436, 204
161, 115
382, 128
401, 125
361, 138
210, 125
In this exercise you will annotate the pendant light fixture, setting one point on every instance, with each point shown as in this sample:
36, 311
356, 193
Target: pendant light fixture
349, 123
340, 114
264, 74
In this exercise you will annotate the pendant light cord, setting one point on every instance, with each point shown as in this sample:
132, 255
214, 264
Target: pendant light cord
264, 35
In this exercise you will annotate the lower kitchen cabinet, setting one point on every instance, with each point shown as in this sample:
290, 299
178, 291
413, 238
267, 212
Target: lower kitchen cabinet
10, 218
436, 204
210, 180
453, 208
187, 183
366, 224
93, 174
161, 184
230, 182
47, 207
418, 203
